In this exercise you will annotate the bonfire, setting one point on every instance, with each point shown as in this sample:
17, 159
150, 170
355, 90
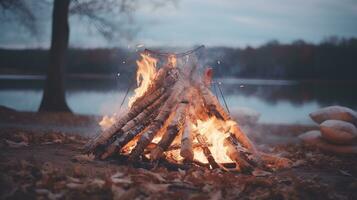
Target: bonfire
173, 115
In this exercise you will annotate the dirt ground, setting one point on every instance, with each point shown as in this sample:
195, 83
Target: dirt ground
41, 159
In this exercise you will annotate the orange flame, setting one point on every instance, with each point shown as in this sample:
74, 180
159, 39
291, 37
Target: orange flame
215, 131
144, 76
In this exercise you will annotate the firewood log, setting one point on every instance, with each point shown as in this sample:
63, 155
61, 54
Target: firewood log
237, 154
144, 114
186, 141
125, 134
243, 139
164, 114
173, 129
133, 112
275, 161
204, 145
212, 103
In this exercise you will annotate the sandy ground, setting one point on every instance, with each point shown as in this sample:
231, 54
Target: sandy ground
41, 159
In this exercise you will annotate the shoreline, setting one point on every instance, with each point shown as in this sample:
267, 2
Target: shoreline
46, 161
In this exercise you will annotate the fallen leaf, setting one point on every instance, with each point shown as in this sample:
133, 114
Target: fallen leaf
13, 144
260, 173
83, 157
217, 195
157, 176
118, 178
346, 173
75, 186
154, 188
49, 194
298, 163
117, 192
97, 183
73, 180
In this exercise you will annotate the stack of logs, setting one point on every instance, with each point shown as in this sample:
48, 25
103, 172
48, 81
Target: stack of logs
177, 97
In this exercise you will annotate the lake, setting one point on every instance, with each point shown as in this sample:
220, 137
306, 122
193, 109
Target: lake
278, 101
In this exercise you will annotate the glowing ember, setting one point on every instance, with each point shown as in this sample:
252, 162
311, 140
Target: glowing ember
144, 76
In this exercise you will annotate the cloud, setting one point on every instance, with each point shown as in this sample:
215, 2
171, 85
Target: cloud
226, 22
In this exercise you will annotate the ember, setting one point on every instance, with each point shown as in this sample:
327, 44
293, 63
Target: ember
174, 106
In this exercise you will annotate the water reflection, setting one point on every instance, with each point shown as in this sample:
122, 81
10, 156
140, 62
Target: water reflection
277, 101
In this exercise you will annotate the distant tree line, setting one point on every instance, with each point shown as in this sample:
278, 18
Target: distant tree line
334, 58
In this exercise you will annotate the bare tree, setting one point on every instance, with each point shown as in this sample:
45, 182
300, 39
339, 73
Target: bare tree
54, 93
54, 89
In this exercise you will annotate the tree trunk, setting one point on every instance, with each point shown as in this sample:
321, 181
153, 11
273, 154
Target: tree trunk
54, 93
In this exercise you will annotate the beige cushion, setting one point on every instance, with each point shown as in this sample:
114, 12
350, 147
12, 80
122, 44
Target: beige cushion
334, 112
338, 132
313, 138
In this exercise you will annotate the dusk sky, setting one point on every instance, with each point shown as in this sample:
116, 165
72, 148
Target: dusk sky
236, 23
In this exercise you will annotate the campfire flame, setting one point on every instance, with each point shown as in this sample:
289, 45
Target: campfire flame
215, 131
145, 75
176, 116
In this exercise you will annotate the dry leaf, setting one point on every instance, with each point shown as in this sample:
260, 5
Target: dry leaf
260, 173
75, 186
97, 183
73, 180
157, 176
83, 157
118, 178
217, 195
117, 192
154, 188
13, 144
346, 173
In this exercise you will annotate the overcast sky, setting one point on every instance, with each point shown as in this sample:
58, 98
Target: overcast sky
214, 23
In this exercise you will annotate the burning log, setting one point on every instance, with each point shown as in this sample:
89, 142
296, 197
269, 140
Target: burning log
151, 131
237, 154
204, 145
186, 141
212, 104
134, 111
172, 131
128, 132
176, 103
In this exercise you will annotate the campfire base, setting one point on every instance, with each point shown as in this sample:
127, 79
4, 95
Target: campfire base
175, 107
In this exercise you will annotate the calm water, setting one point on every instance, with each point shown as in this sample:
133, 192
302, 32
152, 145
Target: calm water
277, 101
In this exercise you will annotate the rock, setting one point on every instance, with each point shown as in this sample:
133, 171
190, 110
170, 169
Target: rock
334, 112
313, 138
338, 132
245, 115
